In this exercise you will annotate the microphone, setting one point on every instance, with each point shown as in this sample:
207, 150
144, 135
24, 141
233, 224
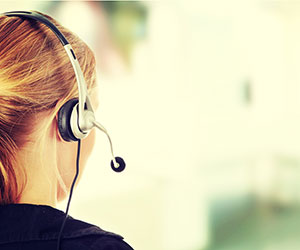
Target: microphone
117, 163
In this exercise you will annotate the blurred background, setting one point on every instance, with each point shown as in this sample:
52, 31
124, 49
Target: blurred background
202, 99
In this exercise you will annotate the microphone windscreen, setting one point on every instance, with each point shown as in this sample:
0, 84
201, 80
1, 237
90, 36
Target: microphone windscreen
121, 163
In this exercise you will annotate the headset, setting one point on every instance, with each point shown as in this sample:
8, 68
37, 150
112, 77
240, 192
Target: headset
76, 117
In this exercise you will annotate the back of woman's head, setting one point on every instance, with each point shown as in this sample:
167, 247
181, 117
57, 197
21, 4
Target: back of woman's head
36, 76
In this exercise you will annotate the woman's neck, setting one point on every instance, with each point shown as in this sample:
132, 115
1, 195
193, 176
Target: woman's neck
40, 185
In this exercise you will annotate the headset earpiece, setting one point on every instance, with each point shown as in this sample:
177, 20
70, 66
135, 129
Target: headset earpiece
64, 120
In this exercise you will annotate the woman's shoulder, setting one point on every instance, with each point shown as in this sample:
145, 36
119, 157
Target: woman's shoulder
38, 227
95, 242
82, 235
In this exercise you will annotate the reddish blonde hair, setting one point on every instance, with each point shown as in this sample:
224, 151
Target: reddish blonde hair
36, 75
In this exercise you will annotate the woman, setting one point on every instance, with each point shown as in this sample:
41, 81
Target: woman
36, 165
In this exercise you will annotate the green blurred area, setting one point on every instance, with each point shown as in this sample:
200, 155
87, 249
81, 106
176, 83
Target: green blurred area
127, 24
262, 222
260, 228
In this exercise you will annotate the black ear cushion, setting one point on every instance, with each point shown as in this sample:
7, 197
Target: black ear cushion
64, 123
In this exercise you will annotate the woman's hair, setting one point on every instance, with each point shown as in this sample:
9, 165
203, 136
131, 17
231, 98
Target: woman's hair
36, 76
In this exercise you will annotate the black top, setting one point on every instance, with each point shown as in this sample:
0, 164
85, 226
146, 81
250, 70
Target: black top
30, 227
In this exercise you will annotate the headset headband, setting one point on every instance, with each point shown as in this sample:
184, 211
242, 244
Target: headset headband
84, 125
42, 19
